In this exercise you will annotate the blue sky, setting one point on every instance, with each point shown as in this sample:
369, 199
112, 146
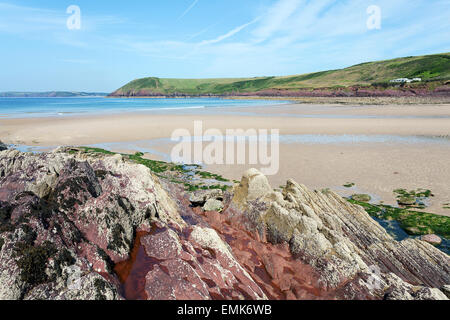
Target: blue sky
123, 40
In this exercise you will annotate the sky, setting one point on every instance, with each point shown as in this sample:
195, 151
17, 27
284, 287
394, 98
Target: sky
46, 47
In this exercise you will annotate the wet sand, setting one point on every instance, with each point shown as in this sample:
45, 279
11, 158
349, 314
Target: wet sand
375, 167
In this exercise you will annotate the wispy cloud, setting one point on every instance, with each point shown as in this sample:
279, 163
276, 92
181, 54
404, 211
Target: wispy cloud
203, 31
228, 34
193, 4
290, 29
22, 19
275, 17
31, 22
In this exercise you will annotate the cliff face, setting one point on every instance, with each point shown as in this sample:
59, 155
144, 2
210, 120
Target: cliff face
442, 90
89, 226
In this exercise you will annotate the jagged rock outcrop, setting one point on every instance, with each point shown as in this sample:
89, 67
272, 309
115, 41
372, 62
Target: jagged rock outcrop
80, 225
68, 220
199, 197
66, 212
3, 146
339, 240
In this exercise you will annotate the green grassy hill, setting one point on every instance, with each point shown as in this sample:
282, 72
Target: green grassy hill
430, 67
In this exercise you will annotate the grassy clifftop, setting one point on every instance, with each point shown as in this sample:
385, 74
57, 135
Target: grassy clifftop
430, 67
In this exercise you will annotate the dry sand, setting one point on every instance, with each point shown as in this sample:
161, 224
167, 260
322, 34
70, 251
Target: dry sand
375, 168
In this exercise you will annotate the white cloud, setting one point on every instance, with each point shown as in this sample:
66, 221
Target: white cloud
229, 34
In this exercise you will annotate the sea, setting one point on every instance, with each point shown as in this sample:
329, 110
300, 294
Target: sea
63, 107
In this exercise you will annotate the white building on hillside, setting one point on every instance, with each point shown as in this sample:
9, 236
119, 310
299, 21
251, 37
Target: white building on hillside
406, 80
400, 80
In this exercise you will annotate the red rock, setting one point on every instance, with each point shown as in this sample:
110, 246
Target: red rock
162, 245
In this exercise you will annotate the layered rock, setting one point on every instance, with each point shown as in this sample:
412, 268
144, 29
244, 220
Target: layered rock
348, 249
193, 263
76, 225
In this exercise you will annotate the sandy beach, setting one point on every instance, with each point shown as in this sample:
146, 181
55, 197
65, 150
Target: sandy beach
385, 147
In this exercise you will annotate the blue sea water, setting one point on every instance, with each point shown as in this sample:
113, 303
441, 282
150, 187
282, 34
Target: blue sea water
54, 107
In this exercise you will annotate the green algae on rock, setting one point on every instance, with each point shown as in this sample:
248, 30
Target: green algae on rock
187, 175
349, 185
361, 197
413, 222
413, 198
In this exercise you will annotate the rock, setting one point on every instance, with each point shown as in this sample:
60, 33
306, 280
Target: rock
208, 238
432, 239
200, 197
3, 146
90, 286
413, 230
340, 240
254, 185
430, 294
64, 210
406, 201
446, 290
196, 264
94, 226
162, 246
76, 184
361, 197
213, 205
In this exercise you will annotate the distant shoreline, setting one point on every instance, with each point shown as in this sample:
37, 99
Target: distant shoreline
52, 94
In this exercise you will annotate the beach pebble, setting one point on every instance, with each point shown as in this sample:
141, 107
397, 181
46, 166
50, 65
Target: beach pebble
431, 238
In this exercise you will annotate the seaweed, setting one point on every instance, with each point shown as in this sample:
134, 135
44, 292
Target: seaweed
413, 198
109, 263
33, 261
118, 241
413, 222
64, 258
349, 185
362, 197
166, 170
